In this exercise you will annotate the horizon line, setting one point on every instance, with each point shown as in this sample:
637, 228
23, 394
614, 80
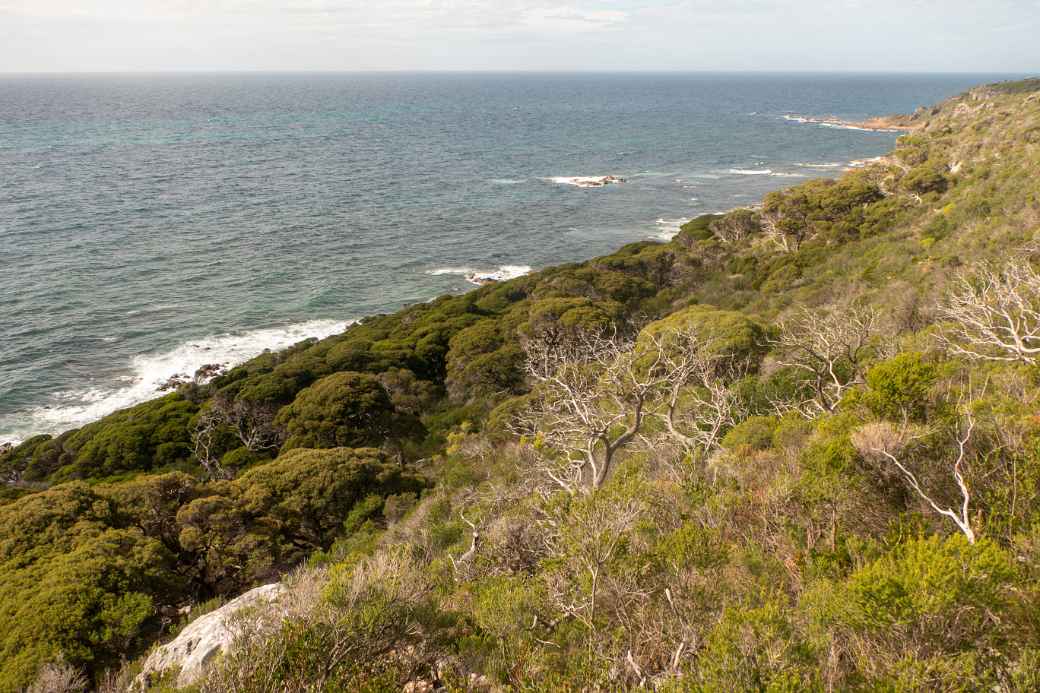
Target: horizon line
504, 71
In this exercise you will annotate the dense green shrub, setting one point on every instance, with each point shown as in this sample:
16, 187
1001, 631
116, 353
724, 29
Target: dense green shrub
74, 582
939, 594
830, 209
344, 410
85, 572
754, 433
757, 649
738, 340
276, 513
900, 387
929, 177
145, 437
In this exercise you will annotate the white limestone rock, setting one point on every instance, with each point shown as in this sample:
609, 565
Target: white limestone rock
201, 640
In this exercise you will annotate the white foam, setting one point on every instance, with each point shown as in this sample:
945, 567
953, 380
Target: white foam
667, 229
148, 372
480, 277
508, 181
751, 172
787, 175
503, 273
586, 181
862, 163
823, 165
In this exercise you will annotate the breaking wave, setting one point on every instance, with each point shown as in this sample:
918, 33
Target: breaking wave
586, 181
148, 372
480, 277
667, 229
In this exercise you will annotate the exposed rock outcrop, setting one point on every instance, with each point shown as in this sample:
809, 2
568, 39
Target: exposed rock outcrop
201, 640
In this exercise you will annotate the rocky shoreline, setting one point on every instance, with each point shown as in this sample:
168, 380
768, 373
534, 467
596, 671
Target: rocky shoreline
889, 123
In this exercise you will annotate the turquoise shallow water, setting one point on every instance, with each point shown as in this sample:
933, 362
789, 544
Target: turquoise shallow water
149, 224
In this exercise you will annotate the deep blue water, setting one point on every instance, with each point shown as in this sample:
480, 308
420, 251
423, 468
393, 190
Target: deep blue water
149, 224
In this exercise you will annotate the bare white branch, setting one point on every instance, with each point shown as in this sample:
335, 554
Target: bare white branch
886, 442
698, 405
994, 315
593, 394
829, 348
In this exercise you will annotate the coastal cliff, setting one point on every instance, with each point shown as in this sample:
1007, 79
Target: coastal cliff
794, 448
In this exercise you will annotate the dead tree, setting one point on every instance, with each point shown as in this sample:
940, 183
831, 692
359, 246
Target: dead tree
592, 396
466, 558
253, 424
828, 347
736, 226
994, 315
250, 422
774, 231
698, 405
204, 438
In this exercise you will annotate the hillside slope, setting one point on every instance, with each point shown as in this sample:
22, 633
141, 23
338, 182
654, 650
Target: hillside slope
795, 448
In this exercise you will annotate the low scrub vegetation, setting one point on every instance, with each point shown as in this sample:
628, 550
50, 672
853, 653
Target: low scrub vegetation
794, 449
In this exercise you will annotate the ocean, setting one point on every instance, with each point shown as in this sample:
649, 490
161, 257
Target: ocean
153, 223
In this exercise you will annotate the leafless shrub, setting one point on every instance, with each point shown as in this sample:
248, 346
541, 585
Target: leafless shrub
698, 406
463, 561
58, 677
585, 542
880, 437
736, 226
829, 348
204, 437
118, 680
593, 393
780, 234
514, 545
994, 315
251, 422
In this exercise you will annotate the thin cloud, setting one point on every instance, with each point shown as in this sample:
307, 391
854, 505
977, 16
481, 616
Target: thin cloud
520, 34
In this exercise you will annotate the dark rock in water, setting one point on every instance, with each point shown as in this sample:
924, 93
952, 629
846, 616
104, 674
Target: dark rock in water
174, 382
203, 374
481, 279
590, 181
209, 371
600, 181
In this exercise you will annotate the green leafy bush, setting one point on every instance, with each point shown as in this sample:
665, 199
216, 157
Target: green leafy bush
900, 386
344, 410
942, 594
753, 433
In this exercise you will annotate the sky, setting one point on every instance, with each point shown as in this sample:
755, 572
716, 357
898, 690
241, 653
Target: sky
814, 35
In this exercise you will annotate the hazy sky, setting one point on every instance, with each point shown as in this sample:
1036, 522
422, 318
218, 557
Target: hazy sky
904, 35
